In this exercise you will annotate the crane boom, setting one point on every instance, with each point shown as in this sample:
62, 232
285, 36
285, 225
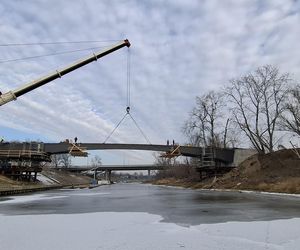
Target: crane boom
12, 95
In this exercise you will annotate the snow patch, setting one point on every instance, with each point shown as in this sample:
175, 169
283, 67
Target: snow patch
130, 231
45, 180
30, 198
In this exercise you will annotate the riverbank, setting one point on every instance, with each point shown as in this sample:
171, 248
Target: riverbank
171, 182
47, 179
277, 172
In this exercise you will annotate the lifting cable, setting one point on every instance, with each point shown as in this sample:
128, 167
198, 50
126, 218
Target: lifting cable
128, 105
50, 54
44, 44
57, 43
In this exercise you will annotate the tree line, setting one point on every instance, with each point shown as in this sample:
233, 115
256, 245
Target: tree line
258, 106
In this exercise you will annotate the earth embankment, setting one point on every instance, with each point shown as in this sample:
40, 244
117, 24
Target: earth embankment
273, 172
48, 178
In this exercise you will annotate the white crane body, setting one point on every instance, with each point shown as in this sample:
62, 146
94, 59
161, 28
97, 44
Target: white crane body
12, 95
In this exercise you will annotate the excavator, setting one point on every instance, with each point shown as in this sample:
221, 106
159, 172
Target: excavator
14, 94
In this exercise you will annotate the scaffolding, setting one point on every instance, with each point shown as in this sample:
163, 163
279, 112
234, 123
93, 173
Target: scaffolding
19, 161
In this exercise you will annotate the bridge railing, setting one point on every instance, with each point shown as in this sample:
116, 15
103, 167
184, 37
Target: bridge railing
18, 154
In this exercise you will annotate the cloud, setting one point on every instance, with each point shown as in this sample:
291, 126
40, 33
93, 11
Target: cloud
180, 49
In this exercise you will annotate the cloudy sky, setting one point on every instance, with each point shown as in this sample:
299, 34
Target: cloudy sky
180, 49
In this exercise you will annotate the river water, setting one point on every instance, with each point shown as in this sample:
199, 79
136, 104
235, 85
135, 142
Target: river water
175, 205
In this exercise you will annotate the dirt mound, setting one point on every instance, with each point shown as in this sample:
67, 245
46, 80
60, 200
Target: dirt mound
275, 172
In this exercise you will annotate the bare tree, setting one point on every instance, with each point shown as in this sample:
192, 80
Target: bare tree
291, 117
162, 161
54, 161
205, 126
64, 160
96, 161
257, 103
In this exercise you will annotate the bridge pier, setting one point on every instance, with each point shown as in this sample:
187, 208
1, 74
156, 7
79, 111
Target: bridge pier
95, 174
108, 175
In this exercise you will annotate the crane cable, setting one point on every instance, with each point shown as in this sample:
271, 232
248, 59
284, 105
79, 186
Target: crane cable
111, 133
53, 53
57, 42
50, 54
128, 80
128, 105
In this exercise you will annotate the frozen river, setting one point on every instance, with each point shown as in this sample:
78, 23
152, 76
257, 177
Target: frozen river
137, 216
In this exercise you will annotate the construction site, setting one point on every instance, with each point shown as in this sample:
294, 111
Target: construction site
23, 161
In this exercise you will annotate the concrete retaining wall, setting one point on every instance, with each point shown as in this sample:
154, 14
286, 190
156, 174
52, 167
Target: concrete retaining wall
241, 154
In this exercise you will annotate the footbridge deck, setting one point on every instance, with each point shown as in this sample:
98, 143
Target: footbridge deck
224, 155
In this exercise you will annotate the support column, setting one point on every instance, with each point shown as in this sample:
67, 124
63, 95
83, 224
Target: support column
108, 175
95, 174
149, 173
28, 176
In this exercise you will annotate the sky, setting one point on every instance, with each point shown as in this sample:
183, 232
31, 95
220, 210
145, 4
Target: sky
179, 49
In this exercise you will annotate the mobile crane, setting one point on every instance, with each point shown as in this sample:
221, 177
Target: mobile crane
15, 160
14, 94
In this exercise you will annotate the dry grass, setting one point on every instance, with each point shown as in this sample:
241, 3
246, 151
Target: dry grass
64, 178
275, 172
8, 184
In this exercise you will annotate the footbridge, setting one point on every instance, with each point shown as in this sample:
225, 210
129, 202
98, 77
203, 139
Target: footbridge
223, 155
42, 151
14, 156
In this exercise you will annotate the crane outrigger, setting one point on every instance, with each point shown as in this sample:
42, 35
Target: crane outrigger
14, 94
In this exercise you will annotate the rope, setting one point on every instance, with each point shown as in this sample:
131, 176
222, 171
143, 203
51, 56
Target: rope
52, 54
128, 105
136, 124
50, 43
128, 78
115, 128
146, 138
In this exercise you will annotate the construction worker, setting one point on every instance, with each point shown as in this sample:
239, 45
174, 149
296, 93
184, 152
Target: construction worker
75, 140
